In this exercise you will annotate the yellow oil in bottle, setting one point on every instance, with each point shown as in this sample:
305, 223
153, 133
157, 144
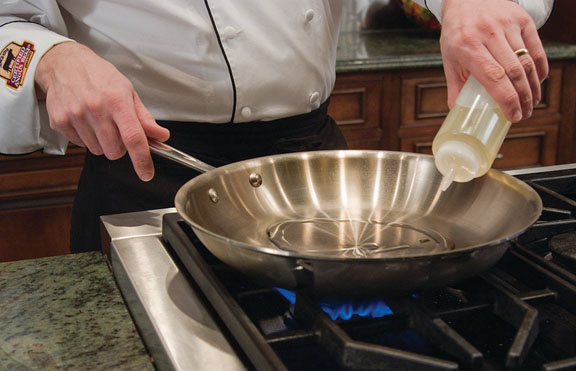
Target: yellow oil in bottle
482, 128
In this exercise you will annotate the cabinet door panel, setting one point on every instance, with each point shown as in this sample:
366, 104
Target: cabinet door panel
355, 105
424, 100
36, 193
34, 232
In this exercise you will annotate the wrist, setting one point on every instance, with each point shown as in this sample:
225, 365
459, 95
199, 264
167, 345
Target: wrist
45, 69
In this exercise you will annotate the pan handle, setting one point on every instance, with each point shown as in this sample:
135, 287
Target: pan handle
171, 153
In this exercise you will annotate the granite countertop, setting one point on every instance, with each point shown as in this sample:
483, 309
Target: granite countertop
66, 313
395, 49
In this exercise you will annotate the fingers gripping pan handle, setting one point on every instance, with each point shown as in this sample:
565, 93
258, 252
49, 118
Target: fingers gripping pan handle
180, 157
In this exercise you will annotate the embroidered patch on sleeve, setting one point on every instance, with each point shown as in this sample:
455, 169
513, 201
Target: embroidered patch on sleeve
14, 61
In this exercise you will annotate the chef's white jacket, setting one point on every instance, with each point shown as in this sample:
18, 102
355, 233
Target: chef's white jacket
189, 60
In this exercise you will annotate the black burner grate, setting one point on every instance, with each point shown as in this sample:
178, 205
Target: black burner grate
559, 217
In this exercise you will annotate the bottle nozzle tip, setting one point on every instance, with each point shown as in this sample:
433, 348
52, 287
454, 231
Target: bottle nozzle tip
447, 179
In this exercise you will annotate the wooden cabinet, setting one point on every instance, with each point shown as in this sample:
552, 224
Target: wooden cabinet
36, 193
402, 110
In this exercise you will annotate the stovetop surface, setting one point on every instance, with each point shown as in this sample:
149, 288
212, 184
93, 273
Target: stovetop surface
519, 315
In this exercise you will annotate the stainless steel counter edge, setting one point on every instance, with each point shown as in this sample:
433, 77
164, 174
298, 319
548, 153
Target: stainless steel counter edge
178, 331
543, 169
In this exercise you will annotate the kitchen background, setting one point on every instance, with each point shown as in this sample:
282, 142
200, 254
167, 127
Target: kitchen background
390, 94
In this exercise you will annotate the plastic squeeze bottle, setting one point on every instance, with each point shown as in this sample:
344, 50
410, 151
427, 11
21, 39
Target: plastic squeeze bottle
470, 137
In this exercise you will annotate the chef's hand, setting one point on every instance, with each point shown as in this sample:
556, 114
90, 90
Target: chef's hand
93, 105
479, 37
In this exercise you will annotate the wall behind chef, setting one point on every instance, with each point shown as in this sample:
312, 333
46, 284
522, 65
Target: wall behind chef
225, 80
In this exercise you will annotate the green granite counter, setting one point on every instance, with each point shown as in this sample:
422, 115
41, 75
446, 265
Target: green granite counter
385, 50
65, 313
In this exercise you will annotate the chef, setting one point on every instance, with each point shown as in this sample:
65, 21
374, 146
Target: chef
223, 80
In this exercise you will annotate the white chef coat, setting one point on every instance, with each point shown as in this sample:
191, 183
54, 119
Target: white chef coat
539, 10
189, 60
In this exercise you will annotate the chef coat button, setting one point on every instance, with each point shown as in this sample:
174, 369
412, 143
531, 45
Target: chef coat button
246, 112
228, 32
315, 99
309, 15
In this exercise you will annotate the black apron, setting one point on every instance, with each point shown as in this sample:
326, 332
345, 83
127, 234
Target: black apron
112, 187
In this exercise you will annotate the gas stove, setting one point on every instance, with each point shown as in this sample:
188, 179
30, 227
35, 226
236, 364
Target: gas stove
194, 312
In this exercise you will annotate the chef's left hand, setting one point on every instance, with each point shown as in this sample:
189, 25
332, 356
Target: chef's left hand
479, 37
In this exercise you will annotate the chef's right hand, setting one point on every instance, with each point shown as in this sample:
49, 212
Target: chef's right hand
93, 105
481, 37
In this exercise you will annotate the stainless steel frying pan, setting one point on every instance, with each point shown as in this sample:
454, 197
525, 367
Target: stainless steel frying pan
352, 222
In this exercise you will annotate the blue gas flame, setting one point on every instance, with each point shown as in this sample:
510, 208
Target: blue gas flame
346, 308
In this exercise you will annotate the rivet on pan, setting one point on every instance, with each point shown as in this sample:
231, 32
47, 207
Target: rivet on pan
255, 180
213, 195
